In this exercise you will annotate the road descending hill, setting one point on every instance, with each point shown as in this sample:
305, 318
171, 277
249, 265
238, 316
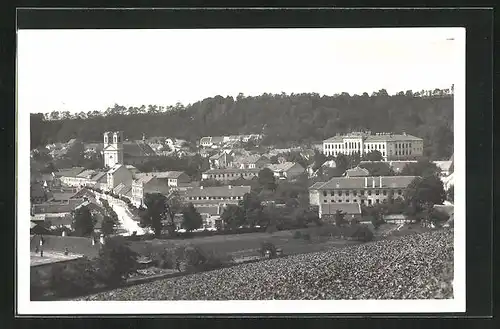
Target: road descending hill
417, 266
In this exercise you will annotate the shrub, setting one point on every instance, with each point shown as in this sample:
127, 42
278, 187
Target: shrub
37, 288
271, 229
306, 236
164, 259
327, 230
72, 279
268, 247
193, 258
297, 235
116, 261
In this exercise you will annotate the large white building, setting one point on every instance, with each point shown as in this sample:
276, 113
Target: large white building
391, 146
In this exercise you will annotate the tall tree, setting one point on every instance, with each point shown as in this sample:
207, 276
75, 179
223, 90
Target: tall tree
373, 155
339, 218
191, 218
422, 167
155, 213
267, 179
233, 217
83, 221
424, 193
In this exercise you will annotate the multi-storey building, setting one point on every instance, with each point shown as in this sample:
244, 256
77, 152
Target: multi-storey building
230, 174
362, 190
391, 146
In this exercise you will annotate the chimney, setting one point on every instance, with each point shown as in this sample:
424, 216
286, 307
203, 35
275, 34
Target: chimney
373, 182
366, 181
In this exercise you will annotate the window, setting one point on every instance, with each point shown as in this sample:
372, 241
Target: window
370, 202
324, 193
324, 201
354, 192
332, 193
362, 201
384, 192
377, 192
340, 200
333, 200
340, 193
377, 201
369, 192
362, 192
399, 192
354, 200
346, 200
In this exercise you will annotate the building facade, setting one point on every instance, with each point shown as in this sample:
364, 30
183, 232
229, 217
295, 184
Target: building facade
113, 148
230, 174
118, 174
391, 146
362, 190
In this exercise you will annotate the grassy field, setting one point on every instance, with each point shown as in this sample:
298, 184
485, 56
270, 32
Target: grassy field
243, 245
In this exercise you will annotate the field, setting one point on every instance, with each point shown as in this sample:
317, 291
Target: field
417, 266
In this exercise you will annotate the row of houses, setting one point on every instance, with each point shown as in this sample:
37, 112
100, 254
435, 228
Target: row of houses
284, 170
220, 141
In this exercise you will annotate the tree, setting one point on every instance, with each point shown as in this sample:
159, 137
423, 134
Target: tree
319, 159
116, 261
342, 162
233, 217
155, 212
339, 218
424, 193
373, 155
252, 208
83, 222
108, 226
191, 218
422, 167
267, 179
378, 168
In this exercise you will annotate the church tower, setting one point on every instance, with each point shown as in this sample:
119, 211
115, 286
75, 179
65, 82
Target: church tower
113, 148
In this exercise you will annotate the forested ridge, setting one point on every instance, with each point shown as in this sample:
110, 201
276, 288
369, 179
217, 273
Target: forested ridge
283, 119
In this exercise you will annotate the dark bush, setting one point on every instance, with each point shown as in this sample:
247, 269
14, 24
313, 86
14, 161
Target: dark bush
193, 258
164, 259
72, 279
116, 261
266, 247
306, 236
297, 235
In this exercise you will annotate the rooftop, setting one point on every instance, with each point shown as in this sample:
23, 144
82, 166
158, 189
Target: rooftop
232, 171
69, 172
57, 207
357, 172
373, 138
359, 182
282, 166
218, 191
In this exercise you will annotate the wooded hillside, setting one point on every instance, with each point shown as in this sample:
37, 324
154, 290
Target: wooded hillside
282, 118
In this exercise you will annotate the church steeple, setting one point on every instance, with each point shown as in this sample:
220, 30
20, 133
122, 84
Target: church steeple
113, 148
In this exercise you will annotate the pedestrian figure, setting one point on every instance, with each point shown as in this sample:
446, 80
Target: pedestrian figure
37, 249
178, 265
41, 253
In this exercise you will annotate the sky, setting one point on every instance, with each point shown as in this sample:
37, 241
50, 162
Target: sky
87, 70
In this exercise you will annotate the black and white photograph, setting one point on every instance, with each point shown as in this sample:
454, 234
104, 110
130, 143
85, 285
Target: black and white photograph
209, 170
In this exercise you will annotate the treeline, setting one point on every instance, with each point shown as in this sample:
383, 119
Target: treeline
283, 119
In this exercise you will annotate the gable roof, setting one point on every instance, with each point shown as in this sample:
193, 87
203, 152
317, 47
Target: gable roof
357, 172
57, 207
443, 165
316, 185
113, 169
218, 191
348, 208
249, 159
98, 176
69, 172
137, 149
217, 140
168, 174
359, 182
232, 171
285, 166
86, 174
215, 210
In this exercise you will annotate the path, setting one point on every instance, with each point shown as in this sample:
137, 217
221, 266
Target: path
126, 219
